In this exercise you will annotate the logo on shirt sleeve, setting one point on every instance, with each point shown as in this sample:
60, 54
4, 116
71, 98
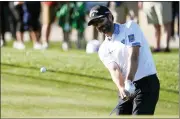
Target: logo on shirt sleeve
131, 38
116, 29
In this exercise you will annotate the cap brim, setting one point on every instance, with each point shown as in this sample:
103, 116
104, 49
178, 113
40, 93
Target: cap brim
92, 19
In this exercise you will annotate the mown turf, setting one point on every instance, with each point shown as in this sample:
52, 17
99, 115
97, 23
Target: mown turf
75, 84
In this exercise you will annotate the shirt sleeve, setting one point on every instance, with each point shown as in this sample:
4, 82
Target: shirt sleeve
133, 34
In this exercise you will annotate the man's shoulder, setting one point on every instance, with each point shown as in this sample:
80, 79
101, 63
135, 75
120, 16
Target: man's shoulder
132, 27
131, 24
126, 27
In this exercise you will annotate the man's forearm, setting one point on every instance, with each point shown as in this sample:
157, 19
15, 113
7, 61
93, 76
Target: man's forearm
132, 65
116, 75
117, 78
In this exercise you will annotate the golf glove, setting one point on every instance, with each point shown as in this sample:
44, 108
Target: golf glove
129, 86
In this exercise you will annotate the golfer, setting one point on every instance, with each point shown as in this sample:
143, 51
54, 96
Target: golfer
126, 54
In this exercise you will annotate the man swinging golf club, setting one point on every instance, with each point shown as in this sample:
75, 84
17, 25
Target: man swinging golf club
126, 54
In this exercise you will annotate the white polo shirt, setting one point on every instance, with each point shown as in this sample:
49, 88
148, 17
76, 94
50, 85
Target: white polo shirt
114, 49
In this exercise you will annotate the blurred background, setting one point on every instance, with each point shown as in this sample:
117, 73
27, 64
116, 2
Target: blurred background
55, 35
66, 22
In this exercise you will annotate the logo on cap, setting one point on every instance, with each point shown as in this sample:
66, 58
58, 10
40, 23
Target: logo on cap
93, 12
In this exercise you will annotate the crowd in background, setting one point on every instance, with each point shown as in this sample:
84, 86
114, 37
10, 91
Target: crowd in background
37, 18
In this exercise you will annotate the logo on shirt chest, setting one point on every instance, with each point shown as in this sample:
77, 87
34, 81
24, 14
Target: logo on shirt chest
111, 51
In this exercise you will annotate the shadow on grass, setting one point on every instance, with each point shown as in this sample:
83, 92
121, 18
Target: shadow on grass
55, 71
56, 81
76, 74
65, 82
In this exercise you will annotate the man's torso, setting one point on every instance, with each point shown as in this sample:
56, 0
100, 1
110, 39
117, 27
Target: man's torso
115, 49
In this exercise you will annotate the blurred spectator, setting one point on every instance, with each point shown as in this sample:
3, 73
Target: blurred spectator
32, 11
64, 15
27, 17
159, 14
72, 15
48, 17
12, 19
123, 9
3, 6
19, 44
79, 21
91, 4
6, 21
175, 13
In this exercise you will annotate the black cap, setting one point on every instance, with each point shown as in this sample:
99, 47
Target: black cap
97, 12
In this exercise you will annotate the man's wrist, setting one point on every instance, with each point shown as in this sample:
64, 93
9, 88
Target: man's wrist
129, 86
128, 80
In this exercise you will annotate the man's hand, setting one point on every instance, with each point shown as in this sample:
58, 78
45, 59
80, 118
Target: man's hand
129, 86
127, 90
124, 93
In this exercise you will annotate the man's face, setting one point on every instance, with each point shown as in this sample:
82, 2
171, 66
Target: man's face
103, 25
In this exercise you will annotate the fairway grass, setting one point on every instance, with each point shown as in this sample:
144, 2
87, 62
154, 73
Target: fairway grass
75, 84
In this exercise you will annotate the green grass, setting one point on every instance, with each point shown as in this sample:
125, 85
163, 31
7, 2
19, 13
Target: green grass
75, 84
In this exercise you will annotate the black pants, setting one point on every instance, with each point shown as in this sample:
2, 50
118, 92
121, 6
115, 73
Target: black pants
175, 12
34, 9
12, 19
145, 99
19, 18
3, 24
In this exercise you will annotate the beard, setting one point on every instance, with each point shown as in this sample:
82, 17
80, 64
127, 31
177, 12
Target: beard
107, 27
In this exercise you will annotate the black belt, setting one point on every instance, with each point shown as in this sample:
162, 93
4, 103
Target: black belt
144, 80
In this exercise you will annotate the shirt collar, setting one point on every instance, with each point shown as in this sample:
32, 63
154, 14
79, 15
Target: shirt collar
116, 32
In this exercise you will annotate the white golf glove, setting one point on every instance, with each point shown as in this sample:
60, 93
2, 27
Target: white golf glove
129, 86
